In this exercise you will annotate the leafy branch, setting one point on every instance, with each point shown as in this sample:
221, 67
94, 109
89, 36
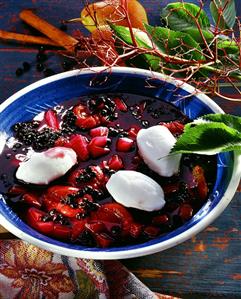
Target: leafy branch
186, 45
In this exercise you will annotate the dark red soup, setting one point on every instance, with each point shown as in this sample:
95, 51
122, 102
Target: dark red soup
102, 131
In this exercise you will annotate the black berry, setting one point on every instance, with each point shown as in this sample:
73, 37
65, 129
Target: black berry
40, 67
49, 72
26, 66
19, 71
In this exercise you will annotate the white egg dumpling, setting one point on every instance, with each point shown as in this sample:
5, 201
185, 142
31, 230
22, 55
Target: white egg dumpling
134, 189
44, 167
154, 145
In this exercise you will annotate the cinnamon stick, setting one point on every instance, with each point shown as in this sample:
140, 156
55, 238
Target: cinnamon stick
55, 34
26, 39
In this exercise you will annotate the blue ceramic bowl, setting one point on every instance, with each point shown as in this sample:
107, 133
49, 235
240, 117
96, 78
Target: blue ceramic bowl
42, 95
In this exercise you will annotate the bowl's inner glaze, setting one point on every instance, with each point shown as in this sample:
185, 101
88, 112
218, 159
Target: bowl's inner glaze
56, 92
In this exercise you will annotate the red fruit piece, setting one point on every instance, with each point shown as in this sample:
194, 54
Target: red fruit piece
97, 152
95, 227
97, 146
151, 231
51, 119
175, 127
132, 132
53, 197
31, 199
62, 141
58, 192
79, 144
61, 231
185, 211
17, 190
115, 163
106, 217
122, 213
103, 240
160, 219
78, 227
171, 188
83, 119
124, 144
78, 110
198, 174
96, 182
136, 230
99, 131
87, 122
100, 141
34, 219
120, 104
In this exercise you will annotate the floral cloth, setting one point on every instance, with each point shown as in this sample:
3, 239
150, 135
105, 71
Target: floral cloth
28, 272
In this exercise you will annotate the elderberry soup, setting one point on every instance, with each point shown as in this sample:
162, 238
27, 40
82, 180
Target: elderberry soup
95, 171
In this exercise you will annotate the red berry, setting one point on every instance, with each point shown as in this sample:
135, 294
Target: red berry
51, 119
79, 144
175, 127
115, 163
120, 104
160, 219
185, 211
99, 131
171, 188
124, 144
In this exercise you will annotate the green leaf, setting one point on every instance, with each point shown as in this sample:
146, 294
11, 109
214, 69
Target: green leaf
226, 19
182, 16
228, 47
175, 43
196, 34
123, 33
208, 139
231, 121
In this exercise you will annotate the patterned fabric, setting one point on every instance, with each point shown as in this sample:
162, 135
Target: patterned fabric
28, 272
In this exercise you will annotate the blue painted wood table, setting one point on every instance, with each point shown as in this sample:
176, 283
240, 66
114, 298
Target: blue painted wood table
208, 265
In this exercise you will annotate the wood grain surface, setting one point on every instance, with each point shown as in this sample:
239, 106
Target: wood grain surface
208, 265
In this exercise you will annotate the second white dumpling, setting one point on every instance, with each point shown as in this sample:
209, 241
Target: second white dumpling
154, 144
134, 189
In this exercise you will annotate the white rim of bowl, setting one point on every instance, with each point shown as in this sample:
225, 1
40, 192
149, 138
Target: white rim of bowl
131, 253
